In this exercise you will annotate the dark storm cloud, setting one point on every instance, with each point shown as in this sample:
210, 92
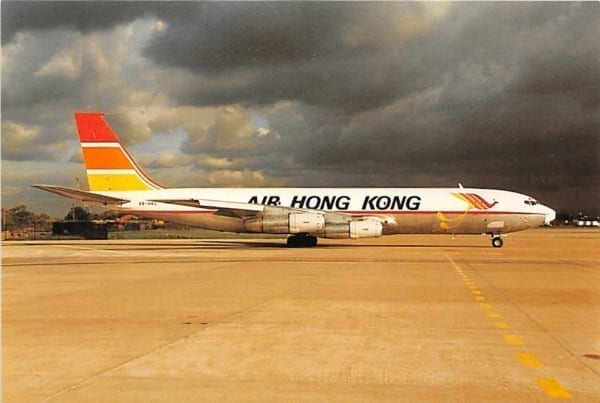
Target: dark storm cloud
517, 102
498, 94
343, 56
83, 16
227, 36
350, 56
22, 87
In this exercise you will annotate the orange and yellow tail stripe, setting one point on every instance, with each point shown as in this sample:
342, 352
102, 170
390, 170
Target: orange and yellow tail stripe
108, 164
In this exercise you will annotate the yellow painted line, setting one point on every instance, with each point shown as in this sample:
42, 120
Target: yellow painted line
514, 340
454, 265
529, 360
549, 385
553, 388
502, 325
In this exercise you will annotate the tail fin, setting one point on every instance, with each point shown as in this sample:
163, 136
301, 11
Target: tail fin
109, 165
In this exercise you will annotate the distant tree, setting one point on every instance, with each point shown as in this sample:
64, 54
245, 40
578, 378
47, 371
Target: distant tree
78, 213
19, 217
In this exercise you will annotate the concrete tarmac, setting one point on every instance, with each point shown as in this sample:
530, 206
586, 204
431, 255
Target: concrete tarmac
401, 318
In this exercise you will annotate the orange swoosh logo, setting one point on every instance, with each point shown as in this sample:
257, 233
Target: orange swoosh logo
475, 201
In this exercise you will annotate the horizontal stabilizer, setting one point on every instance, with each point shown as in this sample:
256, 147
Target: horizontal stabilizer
81, 195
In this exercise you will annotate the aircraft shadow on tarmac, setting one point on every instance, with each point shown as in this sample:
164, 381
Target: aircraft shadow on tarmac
239, 244
247, 244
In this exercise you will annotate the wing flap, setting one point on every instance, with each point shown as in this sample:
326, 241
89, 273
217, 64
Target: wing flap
81, 195
180, 202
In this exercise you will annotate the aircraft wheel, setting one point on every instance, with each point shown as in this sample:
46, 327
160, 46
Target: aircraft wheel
301, 241
311, 240
292, 242
497, 242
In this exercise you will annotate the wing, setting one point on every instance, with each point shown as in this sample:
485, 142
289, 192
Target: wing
248, 210
81, 195
222, 208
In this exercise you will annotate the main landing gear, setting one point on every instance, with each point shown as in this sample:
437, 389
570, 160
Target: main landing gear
301, 241
497, 241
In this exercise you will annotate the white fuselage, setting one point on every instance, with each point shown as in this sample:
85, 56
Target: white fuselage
401, 210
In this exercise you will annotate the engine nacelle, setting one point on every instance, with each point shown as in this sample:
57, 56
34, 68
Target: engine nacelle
268, 224
366, 229
310, 223
370, 228
292, 223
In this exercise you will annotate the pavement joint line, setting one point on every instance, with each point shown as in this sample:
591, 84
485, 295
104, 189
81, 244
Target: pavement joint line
88, 249
550, 386
169, 344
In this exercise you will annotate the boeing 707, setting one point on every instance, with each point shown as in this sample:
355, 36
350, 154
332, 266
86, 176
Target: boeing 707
116, 180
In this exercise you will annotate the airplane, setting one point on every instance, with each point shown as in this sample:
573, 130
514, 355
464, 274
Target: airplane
304, 214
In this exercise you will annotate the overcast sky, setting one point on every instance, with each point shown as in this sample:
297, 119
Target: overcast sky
497, 95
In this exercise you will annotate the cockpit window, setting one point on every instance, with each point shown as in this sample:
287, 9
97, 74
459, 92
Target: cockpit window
531, 202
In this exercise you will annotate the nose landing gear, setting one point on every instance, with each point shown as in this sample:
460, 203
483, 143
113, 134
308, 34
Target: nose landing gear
497, 241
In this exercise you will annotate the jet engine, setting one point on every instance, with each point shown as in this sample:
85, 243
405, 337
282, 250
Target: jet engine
369, 228
281, 220
291, 223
